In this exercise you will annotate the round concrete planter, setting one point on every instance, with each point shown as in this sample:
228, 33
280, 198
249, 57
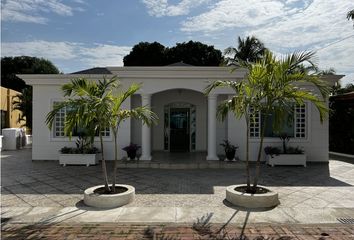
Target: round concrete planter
260, 200
109, 200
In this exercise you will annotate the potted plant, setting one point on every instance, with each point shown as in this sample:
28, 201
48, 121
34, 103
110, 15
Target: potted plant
271, 85
131, 150
83, 154
286, 156
97, 105
230, 150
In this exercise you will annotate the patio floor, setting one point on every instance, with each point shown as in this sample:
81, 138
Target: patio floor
180, 160
35, 191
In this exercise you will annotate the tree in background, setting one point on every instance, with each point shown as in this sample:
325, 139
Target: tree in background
23, 103
146, 54
341, 118
249, 50
194, 53
10, 66
155, 54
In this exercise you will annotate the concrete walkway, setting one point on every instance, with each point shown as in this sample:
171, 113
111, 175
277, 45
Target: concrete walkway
44, 192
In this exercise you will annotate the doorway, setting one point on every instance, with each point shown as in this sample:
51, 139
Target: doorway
179, 129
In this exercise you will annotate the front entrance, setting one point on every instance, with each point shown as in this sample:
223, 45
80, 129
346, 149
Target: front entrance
179, 129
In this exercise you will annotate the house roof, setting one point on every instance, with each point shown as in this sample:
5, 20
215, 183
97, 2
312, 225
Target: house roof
96, 70
344, 97
180, 64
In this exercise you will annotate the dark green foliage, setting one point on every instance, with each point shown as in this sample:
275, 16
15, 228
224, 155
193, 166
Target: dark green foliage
341, 122
155, 54
228, 146
249, 50
276, 151
23, 103
146, 54
10, 66
194, 53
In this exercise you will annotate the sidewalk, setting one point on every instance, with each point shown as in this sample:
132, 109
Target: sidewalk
182, 232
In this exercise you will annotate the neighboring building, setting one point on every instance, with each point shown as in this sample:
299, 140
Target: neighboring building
9, 117
187, 117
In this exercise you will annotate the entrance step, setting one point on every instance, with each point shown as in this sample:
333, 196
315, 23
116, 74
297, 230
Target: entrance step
162, 165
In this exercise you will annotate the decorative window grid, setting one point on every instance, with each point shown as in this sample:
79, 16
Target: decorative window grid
255, 125
299, 118
106, 132
59, 123
300, 121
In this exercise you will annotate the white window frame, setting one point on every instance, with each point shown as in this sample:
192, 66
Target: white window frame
54, 138
293, 139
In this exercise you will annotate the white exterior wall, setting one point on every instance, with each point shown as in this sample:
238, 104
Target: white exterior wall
45, 146
161, 83
135, 127
315, 144
221, 128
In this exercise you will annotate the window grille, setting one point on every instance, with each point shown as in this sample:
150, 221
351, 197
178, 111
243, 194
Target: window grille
300, 121
59, 123
255, 124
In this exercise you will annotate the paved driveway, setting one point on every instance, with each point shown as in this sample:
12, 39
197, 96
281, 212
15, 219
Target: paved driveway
325, 189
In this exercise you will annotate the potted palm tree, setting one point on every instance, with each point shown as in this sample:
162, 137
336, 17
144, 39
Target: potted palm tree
271, 85
93, 105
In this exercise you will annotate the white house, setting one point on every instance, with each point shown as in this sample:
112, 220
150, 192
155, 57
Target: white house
187, 118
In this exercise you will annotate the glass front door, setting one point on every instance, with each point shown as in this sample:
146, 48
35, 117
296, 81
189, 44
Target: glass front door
179, 129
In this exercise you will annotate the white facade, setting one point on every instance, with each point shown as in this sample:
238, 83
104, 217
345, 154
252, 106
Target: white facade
176, 95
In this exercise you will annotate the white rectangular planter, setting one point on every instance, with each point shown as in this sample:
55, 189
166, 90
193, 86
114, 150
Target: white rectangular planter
79, 159
287, 159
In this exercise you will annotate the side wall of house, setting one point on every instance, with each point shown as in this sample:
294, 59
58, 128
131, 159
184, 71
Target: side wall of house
46, 146
315, 144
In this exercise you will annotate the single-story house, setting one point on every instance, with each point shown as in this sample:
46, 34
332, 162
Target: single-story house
187, 117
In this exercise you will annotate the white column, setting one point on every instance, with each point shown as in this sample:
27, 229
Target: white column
212, 127
146, 131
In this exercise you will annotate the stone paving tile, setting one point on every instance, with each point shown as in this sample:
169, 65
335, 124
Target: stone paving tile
176, 232
318, 185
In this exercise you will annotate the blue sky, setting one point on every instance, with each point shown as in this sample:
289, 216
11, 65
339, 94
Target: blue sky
78, 34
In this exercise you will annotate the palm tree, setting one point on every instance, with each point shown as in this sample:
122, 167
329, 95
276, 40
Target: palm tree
23, 103
271, 86
277, 82
88, 106
240, 104
249, 50
118, 115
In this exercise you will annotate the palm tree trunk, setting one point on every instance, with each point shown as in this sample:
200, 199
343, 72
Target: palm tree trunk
258, 166
115, 135
247, 155
104, 168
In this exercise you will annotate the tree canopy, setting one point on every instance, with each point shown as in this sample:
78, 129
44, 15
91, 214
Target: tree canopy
155, 54
249, 50
10, 66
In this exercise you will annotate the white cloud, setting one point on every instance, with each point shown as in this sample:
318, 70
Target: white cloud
160, 8
30, 11
69, 52
284, 26
104, 55
50, 50
237, 14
